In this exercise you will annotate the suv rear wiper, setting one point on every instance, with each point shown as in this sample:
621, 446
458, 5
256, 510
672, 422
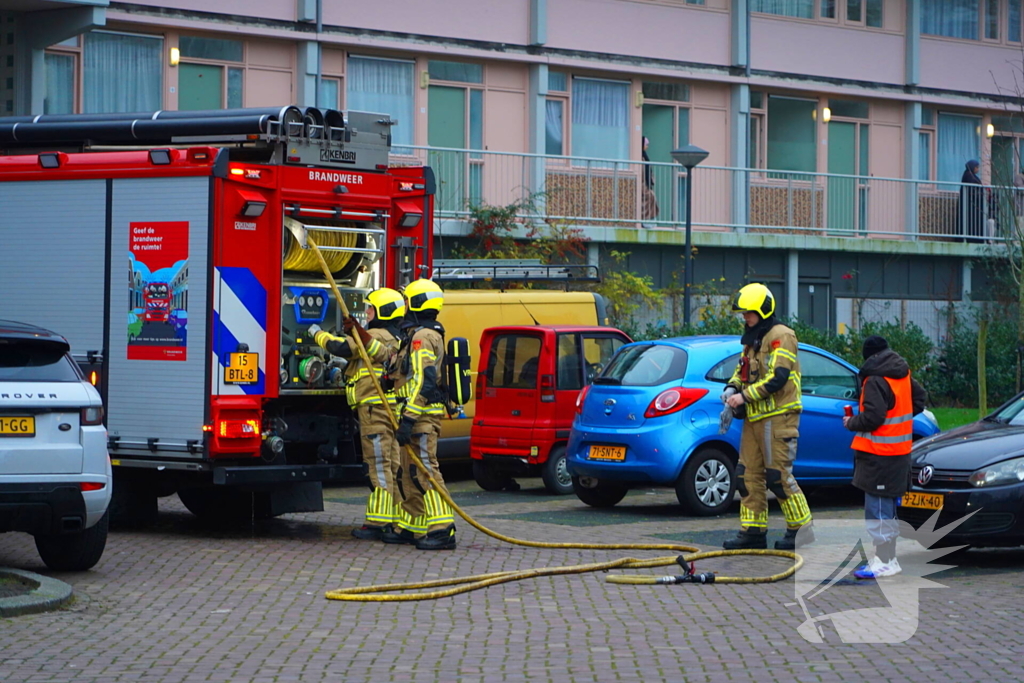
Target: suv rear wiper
607, 380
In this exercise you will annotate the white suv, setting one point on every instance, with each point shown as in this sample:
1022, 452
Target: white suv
55, 477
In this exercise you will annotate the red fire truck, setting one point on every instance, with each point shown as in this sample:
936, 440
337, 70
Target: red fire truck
232, 406
157, 299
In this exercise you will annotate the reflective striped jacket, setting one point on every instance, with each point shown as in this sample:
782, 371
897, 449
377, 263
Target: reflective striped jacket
418, 373
895, 435
359, 389
778, 349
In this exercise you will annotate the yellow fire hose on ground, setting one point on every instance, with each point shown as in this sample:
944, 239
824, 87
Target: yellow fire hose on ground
397, 591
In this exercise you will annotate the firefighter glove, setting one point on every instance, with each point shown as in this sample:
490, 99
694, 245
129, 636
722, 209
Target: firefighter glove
404, 433
729, 391
313, 329
353, 327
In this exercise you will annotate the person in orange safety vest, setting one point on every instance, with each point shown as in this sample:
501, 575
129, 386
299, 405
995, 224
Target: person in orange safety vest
889, 399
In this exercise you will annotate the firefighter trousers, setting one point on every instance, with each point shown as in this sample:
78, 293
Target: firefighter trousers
767, 451
381, 455
422, 509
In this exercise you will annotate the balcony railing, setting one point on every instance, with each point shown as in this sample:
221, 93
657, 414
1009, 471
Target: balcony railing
614, 193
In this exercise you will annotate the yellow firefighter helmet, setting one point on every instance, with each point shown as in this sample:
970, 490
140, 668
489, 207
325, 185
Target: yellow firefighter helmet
755, 298
424, 295
387, 303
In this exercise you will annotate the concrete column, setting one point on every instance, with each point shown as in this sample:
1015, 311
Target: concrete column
538, 22
309, 61
912, 43
911, 165
739, 34
965, 280
36, 32
793, 283
537, 116
739, 154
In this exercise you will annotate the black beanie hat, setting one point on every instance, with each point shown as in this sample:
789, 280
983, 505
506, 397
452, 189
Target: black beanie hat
873, 345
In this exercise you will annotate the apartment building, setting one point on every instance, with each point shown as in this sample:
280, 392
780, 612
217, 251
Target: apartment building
837, 131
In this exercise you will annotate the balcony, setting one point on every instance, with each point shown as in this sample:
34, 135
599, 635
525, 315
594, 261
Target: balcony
611, 193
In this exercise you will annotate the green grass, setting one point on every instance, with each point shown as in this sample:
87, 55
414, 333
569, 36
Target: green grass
954, 417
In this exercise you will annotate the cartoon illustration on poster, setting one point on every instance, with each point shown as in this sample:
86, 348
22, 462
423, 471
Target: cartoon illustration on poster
158, 290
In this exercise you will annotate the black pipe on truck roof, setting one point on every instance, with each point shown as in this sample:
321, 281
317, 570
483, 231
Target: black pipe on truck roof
275, 114
135, 131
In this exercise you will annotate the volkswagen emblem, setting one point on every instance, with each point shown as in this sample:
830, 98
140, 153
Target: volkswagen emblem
925, 475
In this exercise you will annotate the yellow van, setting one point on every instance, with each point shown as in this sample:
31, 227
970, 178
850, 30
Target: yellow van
467, 313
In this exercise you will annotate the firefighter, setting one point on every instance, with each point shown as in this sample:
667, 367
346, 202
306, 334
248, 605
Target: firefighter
766, 387
384, 313
424, 518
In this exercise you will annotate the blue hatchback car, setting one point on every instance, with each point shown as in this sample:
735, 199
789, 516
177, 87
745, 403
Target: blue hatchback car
651, 419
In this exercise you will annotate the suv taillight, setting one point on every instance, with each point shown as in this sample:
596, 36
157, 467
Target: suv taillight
581, 398
91, 416
547, 388
673, 400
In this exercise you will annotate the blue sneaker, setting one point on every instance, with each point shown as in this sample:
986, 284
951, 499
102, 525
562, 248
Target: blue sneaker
876, 569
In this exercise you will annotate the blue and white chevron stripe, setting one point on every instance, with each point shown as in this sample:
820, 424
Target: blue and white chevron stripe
239, 317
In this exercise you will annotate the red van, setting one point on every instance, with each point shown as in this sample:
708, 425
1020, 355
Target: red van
528, 381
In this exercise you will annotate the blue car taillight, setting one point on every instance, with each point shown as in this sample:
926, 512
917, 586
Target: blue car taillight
673, 400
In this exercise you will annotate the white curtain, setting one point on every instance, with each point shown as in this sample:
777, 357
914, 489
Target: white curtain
60, 84
553, 129
959, 142
384, 86
951, 18
786, 8
600, 118
122, 73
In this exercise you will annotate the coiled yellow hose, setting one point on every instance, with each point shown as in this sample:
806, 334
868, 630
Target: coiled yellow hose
304, 260
469, 583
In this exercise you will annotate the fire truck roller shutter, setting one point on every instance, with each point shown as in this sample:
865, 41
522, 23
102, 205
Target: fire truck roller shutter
343, 264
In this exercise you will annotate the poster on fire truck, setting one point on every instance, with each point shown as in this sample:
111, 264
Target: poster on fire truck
158, 289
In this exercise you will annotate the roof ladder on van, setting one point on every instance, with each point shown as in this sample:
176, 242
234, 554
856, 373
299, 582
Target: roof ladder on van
506, 270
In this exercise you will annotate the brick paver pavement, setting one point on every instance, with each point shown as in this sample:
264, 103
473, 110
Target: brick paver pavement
183, 602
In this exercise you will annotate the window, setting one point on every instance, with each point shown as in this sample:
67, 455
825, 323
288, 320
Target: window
513, 362
205, 81
849, 109
60, 83
672, 92
792, 134
568, 365
600, 118
330, 93
597, 353
992, 19
874, 18
951, 18
455, 71
646, 366
1013, 26
828, 9
786, 8
386, 86
121, 72
820, 376
30, 361
554, 127
924, 156
959, 140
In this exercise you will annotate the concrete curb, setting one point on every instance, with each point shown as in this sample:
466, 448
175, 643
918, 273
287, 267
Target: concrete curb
48, 594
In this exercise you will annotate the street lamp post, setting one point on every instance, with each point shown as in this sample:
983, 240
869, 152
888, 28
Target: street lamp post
689, 156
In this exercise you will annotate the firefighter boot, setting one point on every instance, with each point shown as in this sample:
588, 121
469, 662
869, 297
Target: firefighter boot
399, 536
441, 539
791, 540
748, 538
368, 532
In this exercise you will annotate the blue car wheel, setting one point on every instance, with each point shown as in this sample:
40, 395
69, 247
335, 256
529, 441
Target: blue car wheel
598, 493
707, 484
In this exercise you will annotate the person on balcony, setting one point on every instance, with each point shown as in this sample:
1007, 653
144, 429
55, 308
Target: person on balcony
971, 216
649, 202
